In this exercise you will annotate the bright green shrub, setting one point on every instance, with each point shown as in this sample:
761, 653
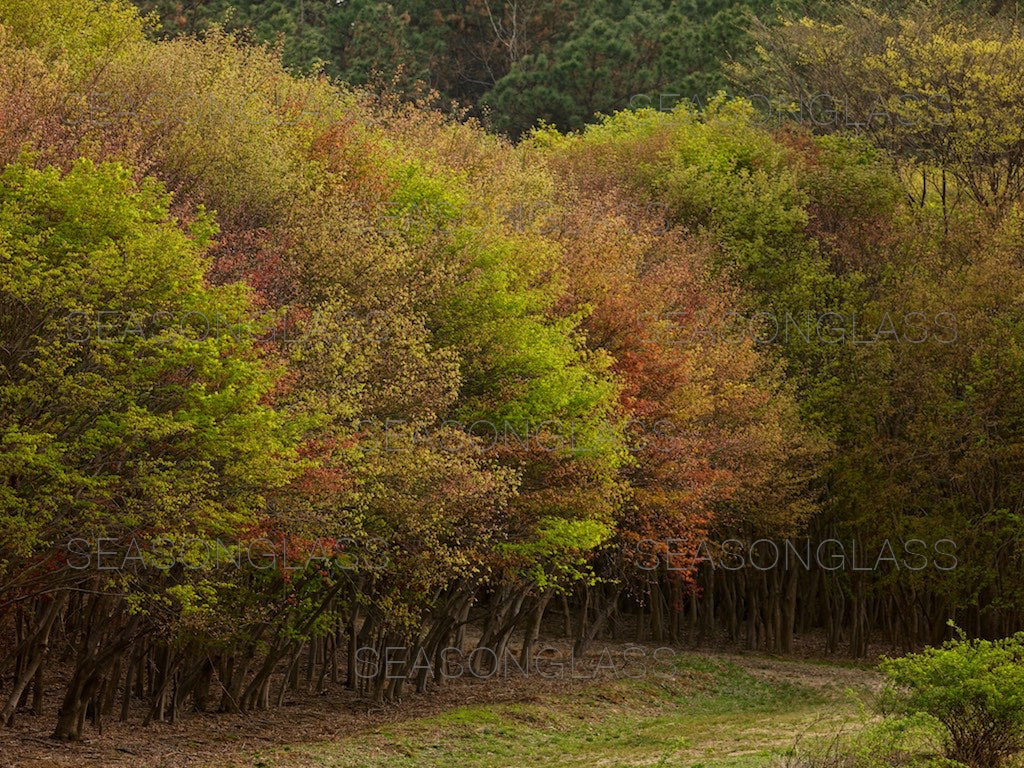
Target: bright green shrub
974, 688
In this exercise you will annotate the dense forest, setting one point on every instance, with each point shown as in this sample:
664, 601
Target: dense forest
509, 62
337, 326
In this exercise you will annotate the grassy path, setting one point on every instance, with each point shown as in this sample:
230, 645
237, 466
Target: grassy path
693, 711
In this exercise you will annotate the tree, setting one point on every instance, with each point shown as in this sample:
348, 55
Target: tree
132, 403
932, 87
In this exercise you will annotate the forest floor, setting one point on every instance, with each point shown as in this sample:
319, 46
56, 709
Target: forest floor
685, 710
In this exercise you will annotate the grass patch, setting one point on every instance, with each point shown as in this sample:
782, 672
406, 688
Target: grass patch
690, 711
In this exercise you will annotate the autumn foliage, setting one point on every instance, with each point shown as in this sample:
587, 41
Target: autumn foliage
290, 369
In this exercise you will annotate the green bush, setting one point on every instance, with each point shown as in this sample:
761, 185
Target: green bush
975, 689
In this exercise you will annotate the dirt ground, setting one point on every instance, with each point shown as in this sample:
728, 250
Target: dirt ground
218, 739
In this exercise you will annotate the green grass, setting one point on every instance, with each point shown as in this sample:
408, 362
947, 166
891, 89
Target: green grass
693, 711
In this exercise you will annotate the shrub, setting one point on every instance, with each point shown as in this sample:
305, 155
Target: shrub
975, 689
